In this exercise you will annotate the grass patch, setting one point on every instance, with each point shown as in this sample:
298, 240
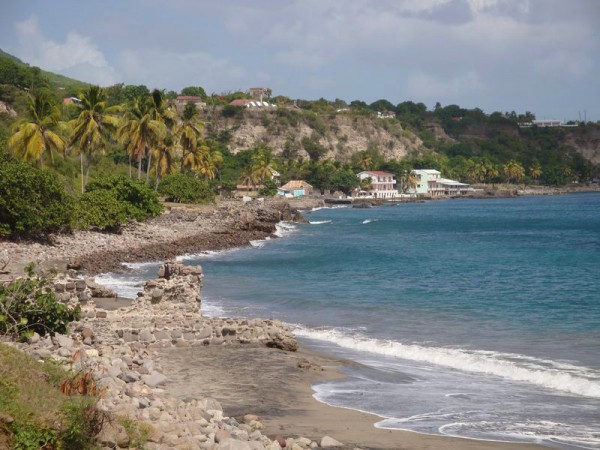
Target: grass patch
35, 414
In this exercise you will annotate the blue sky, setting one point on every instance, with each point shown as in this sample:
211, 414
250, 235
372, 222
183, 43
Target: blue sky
501, 55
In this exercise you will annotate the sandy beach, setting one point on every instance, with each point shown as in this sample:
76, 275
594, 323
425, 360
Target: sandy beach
272, 384
276, 386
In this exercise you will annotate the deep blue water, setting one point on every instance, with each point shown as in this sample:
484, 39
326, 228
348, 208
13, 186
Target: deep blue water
476, 318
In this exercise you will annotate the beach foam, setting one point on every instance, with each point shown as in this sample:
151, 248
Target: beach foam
320, 222
544, 373
284, 229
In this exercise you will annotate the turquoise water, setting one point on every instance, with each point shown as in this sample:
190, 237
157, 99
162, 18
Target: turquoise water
475, 318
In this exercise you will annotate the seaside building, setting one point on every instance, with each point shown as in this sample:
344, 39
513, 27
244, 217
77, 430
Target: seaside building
429, 182
295, 188
382, 184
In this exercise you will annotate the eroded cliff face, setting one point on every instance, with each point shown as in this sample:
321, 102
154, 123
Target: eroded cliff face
339, 136
585, 141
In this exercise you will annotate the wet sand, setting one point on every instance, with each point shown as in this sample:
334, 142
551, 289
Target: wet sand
276, 386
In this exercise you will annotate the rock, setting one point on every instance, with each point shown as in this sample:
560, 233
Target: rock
233, 444
129, 376
80, 285
280, 440
154, 380
113, 435
248, 418
101, 315
92, 353
34, 338
87, 333
221, 435
156, 295
63, 341
64, 352
329, 442
147, 336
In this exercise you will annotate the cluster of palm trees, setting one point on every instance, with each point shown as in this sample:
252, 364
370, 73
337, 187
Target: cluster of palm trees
149, 129
260, 168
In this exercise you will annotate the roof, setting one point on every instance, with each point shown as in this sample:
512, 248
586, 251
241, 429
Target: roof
448, 182
296, 184
428, 171
240, 102
378, 173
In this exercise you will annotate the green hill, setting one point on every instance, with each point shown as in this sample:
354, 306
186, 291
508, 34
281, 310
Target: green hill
14, 72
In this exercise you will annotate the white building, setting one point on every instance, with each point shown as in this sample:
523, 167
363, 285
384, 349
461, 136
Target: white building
430, 182
382, 183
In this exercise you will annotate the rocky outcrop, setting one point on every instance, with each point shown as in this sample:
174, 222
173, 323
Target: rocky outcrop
341, 134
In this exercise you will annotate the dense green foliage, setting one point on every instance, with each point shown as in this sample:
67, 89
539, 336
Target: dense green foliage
139, 200
28, 305
182, 188
102, 210
32, 201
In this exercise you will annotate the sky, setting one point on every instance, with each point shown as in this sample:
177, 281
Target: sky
541, 56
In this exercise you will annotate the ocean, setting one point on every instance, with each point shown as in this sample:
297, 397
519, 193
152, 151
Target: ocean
470, 318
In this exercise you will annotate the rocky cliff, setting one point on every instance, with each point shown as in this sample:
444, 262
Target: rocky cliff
336, 135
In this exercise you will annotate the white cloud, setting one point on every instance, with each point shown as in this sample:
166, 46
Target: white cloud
172, 70
77, 57
427, 87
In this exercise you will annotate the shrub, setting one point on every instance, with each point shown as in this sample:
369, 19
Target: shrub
269, 189
139, 200
101, 209
32, 201
182, 188
27, 305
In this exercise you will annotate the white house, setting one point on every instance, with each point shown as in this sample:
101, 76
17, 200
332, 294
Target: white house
382, 183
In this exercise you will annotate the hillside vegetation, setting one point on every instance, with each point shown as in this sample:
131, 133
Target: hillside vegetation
209, 146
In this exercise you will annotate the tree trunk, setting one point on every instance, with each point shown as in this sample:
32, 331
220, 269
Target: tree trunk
129, 166
140, 167
81, 161
148, 168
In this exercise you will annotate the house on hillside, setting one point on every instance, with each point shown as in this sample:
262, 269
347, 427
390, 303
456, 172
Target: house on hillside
70, 100
183, 100
382, 184
295, 188
259, 93
429, 182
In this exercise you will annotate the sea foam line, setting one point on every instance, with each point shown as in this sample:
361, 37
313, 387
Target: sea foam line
471, 361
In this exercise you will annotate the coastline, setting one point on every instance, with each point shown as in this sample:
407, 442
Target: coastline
305, 416
283, 398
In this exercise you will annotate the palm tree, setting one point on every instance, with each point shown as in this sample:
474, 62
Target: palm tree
513, 171
188, 135
93, 127
164, 161
492, 172
33, 137
161, 111
535, 171
140, 131
366, 161
262, 165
